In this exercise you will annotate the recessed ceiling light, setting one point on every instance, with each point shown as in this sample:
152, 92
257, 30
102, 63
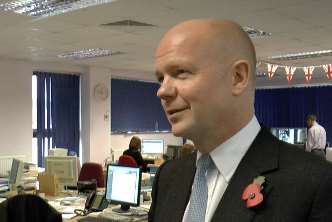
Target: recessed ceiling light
45, 8
88, 53
256, 33
302, 55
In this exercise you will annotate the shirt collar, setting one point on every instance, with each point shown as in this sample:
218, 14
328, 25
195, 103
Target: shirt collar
228, 155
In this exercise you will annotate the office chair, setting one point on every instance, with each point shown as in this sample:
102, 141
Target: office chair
92, 171
26, 208
126, 160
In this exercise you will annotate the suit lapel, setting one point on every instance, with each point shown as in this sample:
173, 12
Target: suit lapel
261, 158
181, 188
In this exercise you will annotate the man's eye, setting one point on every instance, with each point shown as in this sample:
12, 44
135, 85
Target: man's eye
182, 73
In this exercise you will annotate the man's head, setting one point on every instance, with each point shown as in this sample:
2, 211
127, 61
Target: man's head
206, 69
311, 119
135, 143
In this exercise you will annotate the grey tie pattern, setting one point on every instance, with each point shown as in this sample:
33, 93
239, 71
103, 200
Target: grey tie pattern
199, 193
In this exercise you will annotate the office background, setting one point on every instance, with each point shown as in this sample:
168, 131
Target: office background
293, 26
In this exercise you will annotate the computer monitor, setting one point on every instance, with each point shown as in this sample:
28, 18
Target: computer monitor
173, 152
58, 152
123, 186
15, 173
65, 168
152, 146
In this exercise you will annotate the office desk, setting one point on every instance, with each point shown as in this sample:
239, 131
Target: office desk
80, 202
67, 202
96, 214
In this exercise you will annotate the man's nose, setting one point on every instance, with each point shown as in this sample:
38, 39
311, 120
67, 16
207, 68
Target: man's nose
167, 90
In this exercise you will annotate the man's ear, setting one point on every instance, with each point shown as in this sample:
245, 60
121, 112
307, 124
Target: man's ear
240, 76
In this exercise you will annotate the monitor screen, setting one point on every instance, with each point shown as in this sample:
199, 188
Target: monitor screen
65, 168
173, 151
16, 172
123, 185
150, 146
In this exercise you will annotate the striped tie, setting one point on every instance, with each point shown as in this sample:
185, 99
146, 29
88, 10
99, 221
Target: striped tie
199, 194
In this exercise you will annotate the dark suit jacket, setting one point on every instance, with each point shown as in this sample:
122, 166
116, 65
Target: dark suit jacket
299, 186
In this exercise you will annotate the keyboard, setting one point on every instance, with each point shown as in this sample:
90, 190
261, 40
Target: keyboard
138, 211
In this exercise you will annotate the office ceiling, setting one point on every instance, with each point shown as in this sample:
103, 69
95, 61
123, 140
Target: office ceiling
295, 26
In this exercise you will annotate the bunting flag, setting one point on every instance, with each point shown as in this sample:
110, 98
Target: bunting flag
271, 68
328, 70
308, 72
289, 72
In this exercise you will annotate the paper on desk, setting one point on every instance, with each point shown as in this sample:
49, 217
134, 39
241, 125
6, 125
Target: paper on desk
68, 216
70, 198
70, 209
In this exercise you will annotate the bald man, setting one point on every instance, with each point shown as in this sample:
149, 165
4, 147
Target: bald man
206, 70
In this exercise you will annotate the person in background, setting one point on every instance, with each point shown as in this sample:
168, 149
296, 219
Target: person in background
135, 152
240, 172
316, 139
186, 150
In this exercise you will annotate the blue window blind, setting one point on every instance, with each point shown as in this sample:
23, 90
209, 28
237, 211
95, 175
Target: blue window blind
136, 108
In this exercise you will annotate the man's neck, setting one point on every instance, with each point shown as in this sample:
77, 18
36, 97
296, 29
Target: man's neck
209, 140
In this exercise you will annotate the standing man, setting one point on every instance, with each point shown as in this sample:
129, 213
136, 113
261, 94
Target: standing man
316, 139
240, 172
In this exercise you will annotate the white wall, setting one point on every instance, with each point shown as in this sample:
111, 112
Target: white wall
120, 142
16, 104
95, 116
15, 109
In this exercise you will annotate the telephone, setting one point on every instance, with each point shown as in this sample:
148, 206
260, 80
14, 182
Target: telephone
95, 202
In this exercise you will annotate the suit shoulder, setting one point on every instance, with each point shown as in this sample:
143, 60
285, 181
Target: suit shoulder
173, 167
291, 156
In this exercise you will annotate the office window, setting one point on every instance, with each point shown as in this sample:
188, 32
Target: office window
34, 120
136, 107
55, 113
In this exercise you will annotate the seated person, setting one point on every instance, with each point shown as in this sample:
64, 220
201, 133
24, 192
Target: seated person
134, 151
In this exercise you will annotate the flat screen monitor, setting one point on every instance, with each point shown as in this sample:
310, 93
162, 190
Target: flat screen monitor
152, 146
16, 173
173, 151
65, 168
123, 186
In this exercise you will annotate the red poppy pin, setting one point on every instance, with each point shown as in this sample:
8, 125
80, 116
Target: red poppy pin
252, 193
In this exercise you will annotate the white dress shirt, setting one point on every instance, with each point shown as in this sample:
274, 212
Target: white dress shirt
226, 158
316, 137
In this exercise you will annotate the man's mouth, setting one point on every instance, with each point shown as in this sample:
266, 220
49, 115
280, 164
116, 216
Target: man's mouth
171, 112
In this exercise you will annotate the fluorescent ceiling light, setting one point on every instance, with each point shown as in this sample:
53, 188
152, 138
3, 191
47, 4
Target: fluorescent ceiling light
302, 55
45, 8
88, 53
